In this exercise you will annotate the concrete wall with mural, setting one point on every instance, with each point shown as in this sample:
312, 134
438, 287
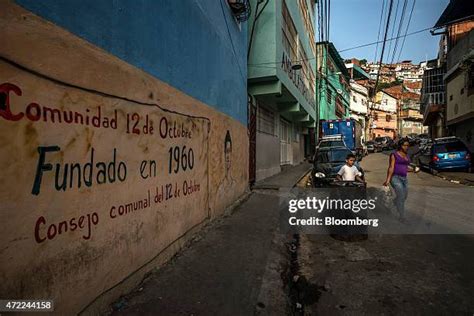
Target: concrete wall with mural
108, 170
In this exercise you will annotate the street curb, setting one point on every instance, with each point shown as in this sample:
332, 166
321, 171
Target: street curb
229, 210
462, 182
304, 175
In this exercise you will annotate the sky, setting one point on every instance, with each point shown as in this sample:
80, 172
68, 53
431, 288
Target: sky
356, 22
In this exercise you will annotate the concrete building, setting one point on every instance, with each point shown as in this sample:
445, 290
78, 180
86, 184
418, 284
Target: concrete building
124, 128
460, 90
281, 83
458, 24
359, 97
384, 115
359, 105
410, 120
333, 86
433, 99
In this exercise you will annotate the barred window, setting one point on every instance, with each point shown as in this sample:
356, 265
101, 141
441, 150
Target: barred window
265, 121
329, 96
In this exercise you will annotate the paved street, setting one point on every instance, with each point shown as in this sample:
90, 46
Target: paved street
242, 264
236, 266
397, 274
203, 157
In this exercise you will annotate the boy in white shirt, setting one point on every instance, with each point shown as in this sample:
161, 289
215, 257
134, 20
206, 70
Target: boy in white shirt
349, 172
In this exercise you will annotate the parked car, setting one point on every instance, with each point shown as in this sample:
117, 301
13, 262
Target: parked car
371, 148
331, 141
446, 153
327, 162
384, 142
423, 137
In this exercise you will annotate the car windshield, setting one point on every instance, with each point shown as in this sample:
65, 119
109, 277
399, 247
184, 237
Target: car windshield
449, 147
370, 143
331, 143
379, 139
338, 155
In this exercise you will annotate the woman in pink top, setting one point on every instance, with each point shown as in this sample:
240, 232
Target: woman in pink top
397, 175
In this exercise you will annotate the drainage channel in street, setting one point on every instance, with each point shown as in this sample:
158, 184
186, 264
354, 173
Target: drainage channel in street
301, 293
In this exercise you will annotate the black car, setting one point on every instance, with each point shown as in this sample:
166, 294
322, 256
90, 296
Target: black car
371, 147
384, 142
327, 162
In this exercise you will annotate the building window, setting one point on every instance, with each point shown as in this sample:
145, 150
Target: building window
304, 10
376, 116
296, 133
289, 34
329, 96
355, 99
462, 90
388, 118
265, 121
451, 97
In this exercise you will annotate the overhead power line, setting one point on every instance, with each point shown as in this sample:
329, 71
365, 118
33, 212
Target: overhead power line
383, 45
380, 28
390, 39
400, 26
352, 48
406, 30
393, 29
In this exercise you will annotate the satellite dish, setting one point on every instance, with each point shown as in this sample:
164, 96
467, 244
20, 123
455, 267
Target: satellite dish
339, 91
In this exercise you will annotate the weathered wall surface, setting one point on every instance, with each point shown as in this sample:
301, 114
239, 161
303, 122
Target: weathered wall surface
460, 105
298, 150
105, 166
195, 45
268, 155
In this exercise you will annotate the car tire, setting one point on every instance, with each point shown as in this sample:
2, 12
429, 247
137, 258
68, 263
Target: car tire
433, 171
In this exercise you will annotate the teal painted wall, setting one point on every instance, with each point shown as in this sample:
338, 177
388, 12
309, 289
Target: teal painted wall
265, 58
327, 110
293, 8
262, 56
